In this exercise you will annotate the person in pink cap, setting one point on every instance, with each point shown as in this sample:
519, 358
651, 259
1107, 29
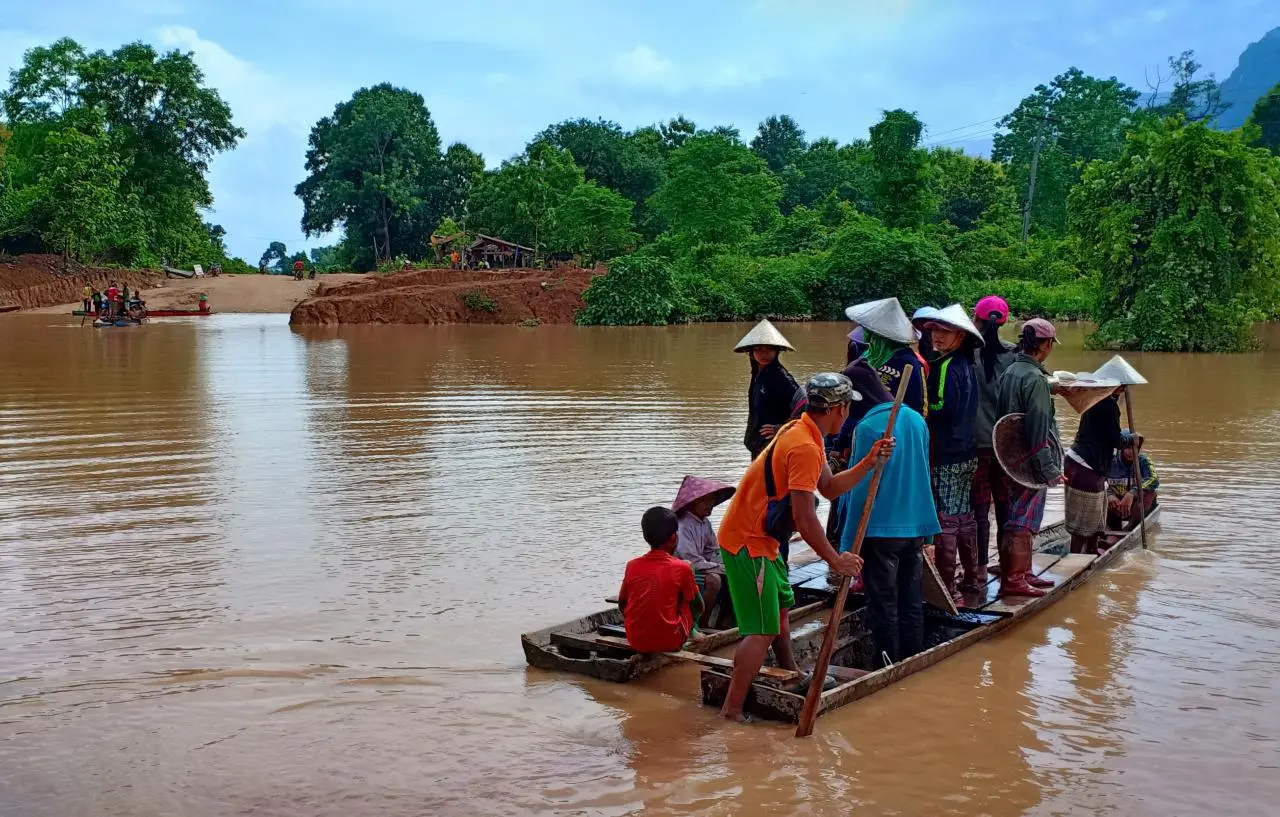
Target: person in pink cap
990, 484
698, 545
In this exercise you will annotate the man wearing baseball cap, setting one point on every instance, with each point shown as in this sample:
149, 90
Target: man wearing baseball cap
1024, 388
776, 497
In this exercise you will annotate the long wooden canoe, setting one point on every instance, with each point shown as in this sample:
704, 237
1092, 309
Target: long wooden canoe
571, 646
944, 636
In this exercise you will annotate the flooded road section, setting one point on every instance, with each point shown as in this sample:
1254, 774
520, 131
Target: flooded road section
249, 571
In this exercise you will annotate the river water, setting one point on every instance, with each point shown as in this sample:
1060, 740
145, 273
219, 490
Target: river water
246, 570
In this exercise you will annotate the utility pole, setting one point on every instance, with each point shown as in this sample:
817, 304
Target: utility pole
1031, 187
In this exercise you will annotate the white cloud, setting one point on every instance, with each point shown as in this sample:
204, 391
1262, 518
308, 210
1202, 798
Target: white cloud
644, 66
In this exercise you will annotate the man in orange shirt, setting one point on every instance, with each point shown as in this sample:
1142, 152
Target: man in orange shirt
658, 591
775, 497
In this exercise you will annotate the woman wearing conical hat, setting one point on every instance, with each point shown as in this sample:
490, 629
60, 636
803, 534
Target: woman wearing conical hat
889, 335
953, 407
771, 397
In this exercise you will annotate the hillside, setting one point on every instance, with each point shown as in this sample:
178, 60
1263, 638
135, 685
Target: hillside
1256, 73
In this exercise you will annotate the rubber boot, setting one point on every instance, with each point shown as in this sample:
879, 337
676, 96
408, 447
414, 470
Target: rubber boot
967, 545
1013, 578
944, 557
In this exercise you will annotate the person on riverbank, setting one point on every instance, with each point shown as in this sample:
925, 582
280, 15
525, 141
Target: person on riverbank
97, 302
953, 410
658, 598
990, 490
776, 496
771, 395
113, 300
903, 517
698, 546
1024, 388
86, 298
889, 336
1121, 500
1087, 465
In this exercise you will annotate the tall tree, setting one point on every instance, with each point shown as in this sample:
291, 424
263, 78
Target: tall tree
275, 255
1184, 230
966, 187
676, 132
716, 190
80, 189
371, 166
594, 222
1264, 122
779, 141
902, 187
1074, 119
463, 168
1193, 99
518, 201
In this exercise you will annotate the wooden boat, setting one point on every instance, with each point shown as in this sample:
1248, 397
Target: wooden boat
944, 636
110, 322
573, 646
160, 313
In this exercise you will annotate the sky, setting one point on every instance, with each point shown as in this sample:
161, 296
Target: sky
495, 72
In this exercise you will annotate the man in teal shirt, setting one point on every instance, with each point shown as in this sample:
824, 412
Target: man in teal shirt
903, 518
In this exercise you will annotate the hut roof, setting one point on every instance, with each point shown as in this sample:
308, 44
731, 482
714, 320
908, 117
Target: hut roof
482, 239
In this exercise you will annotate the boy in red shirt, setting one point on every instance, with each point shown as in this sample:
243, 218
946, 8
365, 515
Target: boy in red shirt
658, 592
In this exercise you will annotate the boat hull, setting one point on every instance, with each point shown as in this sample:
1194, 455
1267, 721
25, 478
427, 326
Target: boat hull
160, 313
990, 618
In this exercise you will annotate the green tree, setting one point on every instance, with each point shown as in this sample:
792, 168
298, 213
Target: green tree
716, 190
966, 187
1184, 231
868, 261
1264, 123
638, 289
1072, 120
676, 132
519, 200
371, 166
594, 222
1192, 99
80, 189
463, 168
779, 141
276, 256
902, 181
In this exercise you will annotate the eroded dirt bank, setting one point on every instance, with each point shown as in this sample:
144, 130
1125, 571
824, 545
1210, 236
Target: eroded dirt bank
34, 281
448, 296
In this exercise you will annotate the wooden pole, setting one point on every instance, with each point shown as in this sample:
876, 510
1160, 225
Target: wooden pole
1137, 466
809, 714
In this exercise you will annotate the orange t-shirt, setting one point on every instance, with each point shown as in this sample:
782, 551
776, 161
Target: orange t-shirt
656, 593
797, 466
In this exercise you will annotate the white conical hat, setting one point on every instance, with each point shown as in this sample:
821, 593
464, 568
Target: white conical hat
957, 316
885, 318
1083, 390
924, 313
763, 334
1121, 371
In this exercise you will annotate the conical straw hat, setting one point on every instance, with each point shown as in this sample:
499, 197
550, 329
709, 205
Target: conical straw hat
694, 488
1083, 390
885, 318
924, 313
957, 316
1121, 371
1009, 440
763, 334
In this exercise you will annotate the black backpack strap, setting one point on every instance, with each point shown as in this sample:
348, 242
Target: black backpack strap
771, 487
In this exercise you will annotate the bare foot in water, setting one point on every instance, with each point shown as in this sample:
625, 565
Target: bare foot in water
741, 717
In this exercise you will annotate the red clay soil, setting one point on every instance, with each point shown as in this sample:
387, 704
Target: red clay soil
449, 296
34, 281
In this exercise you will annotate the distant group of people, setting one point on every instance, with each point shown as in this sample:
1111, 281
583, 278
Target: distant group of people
940, 482
115, 302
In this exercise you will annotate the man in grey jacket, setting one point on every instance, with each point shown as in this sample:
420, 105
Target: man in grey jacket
1024, 388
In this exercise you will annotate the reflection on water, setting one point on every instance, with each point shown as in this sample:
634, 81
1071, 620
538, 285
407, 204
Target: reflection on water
249, 570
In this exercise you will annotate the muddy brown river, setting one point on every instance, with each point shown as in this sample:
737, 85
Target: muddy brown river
245, 570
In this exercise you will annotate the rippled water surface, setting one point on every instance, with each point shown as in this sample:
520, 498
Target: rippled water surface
245, 570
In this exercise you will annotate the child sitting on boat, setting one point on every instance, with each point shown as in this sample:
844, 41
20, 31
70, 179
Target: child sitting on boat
658, 599
1121, 513
698, 544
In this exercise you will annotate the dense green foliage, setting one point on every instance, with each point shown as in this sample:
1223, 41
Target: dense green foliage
638, 289
1264, 123
1184, 231
105, 155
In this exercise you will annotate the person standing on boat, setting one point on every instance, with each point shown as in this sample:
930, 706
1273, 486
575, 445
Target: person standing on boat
889, 335
990, 490
920, 320
903, 517
771, 396
694, 502
953, 409
1024, 388
1086, 467
776, 496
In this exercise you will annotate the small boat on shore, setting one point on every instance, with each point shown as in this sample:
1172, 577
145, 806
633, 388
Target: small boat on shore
590, 645
944, 636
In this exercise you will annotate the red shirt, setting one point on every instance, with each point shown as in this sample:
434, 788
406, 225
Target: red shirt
656, 593
113, 294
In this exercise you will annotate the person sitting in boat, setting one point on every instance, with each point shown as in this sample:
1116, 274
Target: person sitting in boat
1086, 468
659, 597
903, 517
1121, 512
698, 546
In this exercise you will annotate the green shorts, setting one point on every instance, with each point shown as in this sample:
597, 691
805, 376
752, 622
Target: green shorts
760, 591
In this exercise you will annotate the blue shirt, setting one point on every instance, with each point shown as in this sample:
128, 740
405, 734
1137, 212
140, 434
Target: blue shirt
904, 505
